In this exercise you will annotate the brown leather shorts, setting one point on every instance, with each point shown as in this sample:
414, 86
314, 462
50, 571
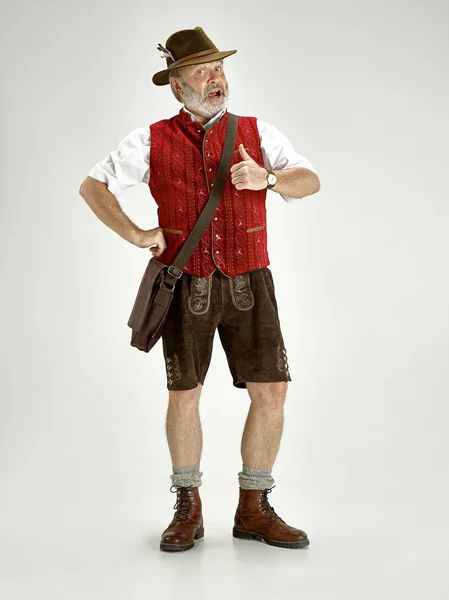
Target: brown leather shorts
244, 310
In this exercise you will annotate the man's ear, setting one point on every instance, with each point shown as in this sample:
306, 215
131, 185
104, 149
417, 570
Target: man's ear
175, 84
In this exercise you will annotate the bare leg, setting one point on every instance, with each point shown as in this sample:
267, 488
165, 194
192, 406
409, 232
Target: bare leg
263, 428
183, 426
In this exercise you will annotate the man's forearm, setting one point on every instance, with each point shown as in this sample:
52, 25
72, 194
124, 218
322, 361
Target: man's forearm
106, 207
296, 182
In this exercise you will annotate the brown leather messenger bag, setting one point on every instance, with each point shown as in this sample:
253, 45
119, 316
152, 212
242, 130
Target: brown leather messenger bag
155, 292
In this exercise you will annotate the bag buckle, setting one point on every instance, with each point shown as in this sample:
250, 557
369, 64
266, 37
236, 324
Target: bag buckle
177, 274
169, 270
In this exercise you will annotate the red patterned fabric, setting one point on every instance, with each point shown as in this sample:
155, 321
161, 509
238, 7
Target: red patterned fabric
184, 159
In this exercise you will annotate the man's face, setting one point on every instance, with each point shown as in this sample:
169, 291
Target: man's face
198, 81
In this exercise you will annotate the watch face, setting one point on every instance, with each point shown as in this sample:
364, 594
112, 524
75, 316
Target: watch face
271, 179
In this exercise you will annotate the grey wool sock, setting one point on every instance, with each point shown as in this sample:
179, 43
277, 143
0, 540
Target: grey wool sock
187, 475
251, 478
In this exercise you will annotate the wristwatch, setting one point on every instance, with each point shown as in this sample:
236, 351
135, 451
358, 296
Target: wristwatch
271, 180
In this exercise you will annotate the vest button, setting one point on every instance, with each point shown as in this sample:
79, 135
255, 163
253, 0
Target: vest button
216, 235
207, 140
210, 169
215, 218
198, 130
208, 154
217, 251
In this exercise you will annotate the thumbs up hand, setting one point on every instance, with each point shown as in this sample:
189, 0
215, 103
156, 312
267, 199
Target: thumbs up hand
247, 174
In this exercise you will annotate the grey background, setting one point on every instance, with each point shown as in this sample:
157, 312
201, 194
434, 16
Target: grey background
361, 89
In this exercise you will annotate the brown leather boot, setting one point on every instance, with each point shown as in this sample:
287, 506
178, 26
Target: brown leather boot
187, 523
256, 519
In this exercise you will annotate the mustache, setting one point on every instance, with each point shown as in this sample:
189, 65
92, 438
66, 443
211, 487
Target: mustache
215, 88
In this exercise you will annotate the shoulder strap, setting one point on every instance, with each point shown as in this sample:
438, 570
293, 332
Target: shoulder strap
175, 269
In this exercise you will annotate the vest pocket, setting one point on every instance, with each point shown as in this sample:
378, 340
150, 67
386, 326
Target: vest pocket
255, 228
172, 230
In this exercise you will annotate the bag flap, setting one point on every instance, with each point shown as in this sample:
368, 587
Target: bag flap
143, 298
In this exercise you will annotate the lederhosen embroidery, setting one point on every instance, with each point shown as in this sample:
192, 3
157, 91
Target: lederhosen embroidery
173, 369
282, 363
199, 294
241, 293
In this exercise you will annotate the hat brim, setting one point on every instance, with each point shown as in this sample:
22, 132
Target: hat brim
163, 78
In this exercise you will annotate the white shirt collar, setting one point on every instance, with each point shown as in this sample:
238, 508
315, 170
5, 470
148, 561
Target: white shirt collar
211, 121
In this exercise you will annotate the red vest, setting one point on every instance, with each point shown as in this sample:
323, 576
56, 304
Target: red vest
184, 160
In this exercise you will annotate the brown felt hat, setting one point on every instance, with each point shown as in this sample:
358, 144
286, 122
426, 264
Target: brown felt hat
187, 47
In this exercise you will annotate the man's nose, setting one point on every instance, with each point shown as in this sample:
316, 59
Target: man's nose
214, 80
213, 77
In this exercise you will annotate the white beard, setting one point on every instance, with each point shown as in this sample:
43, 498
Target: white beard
204, 108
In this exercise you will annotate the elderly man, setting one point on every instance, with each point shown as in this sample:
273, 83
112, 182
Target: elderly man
226, 283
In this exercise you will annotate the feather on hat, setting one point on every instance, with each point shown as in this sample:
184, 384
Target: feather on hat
165, 53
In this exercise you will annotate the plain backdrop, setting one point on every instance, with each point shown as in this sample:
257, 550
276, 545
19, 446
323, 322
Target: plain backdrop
360, 271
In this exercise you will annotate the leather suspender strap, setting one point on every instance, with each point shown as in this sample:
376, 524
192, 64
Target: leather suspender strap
174, 271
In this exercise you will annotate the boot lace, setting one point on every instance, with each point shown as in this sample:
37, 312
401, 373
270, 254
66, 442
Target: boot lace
184, 503
269, 510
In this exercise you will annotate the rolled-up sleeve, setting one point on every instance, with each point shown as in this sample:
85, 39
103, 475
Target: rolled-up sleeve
278, 152
126, 166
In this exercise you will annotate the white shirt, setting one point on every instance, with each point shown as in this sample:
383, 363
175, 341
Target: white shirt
129, 164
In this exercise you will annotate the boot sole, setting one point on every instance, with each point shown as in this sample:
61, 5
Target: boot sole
181, 547
250, 535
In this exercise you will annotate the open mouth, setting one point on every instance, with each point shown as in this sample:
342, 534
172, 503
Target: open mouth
214, 94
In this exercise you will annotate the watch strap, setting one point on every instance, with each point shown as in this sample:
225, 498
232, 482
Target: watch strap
269, 186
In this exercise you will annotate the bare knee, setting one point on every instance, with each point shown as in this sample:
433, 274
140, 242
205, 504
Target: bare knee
185, 397
268, 394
